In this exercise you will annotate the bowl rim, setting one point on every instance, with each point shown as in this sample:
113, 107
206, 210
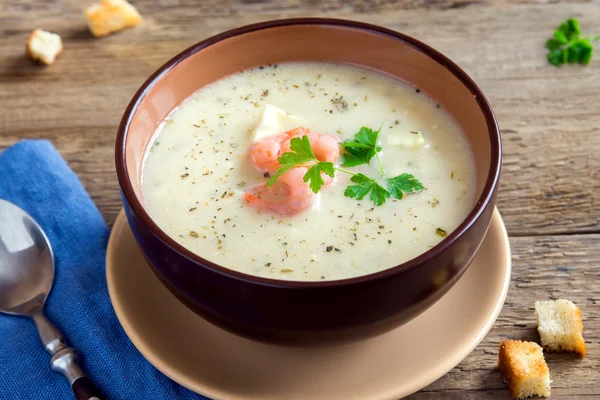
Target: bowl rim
483, 201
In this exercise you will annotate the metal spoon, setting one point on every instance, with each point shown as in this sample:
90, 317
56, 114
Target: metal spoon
26, 277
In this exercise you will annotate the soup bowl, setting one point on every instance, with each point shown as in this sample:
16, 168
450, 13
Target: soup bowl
306, 312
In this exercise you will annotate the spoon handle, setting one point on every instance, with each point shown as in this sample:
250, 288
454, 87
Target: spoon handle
64, 359
84, 389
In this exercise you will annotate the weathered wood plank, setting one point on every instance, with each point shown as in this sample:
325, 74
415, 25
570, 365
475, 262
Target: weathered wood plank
545, 267
212, 8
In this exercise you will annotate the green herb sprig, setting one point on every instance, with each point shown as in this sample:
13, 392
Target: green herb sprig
357, 151
362, 148
568, 46
302, 155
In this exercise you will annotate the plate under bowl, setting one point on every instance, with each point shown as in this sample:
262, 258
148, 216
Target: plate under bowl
221, 365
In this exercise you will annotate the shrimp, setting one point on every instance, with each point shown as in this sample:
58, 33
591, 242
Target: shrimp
325, 147
289, 195
265, 152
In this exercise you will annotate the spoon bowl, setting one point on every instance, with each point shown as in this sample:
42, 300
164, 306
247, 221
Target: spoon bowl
26, 262
26, 277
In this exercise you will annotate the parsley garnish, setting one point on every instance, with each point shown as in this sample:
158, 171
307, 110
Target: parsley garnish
302, 155
362, 148
360, 151
406, 183
314, 174
363, 186
567, 46
396, 187
357, 151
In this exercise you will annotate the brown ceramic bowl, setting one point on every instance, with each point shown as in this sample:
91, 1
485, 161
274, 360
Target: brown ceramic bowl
309, 312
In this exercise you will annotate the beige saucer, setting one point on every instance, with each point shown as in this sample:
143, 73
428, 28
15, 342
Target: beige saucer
221, 365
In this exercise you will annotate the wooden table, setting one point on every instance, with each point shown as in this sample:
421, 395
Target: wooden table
550, 120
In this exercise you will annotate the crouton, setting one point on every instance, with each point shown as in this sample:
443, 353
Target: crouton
524, 369
43, 46
108, 16
560, 326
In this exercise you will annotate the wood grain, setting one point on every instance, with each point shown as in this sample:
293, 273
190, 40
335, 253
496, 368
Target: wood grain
550, 191
544, 267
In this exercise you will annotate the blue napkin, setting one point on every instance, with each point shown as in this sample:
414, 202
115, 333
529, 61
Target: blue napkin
35, 177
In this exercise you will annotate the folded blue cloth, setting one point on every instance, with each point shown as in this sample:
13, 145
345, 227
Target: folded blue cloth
35, 177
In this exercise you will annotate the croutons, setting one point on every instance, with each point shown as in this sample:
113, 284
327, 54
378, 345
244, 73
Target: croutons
524, 369
560, 326
110, 16
43, 46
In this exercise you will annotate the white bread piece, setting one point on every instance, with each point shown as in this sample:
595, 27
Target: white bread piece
560, 326
524, 369
273, 120
108, 16
43, 46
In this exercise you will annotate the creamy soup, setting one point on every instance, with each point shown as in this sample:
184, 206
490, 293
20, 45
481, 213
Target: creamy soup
198, 171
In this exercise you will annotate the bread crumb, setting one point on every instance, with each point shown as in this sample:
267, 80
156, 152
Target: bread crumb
43, 46
524, 369
108, 16
560, 326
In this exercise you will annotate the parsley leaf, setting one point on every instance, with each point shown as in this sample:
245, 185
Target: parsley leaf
364, 186
283, 169
314, 175
302, 153
362, 148
404, 183
379, 194
568, 46
570, 28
